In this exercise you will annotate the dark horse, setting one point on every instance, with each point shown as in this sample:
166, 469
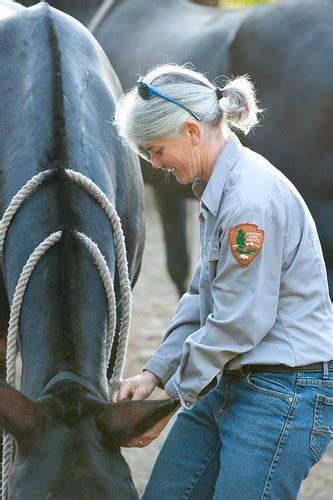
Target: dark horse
57, 96
287, 50
168, 193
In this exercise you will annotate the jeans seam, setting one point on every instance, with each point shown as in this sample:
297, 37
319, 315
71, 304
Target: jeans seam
227, 399
280, 444
315, 382
187, 495
267, 392
316, 420
317, 427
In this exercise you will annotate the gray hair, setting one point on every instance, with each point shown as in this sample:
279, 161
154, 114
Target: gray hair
141, 121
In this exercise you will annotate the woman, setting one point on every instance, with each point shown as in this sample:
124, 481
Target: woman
248, 352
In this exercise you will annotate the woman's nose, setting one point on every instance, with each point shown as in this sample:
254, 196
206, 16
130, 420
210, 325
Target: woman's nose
155, 162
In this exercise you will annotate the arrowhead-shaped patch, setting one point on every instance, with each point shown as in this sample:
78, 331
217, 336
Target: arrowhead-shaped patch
246, 241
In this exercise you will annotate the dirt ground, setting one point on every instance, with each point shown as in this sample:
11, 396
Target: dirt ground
154, 303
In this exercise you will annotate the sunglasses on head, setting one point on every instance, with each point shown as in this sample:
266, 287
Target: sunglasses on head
145, 91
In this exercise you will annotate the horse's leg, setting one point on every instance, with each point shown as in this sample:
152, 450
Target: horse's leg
172, 208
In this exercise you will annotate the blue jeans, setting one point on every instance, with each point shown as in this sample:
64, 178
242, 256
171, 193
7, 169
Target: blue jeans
253, 437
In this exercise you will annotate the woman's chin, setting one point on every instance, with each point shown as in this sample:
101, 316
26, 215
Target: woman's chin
182, 181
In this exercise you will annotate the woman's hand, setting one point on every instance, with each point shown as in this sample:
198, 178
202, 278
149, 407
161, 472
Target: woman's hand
136, 388
146, 438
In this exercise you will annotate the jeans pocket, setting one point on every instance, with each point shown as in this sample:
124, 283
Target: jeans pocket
276, 385
322, 429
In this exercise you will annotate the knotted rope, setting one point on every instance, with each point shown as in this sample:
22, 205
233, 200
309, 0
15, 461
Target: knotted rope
125, 289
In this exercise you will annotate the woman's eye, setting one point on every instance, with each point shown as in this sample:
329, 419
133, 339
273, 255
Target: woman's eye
159, 152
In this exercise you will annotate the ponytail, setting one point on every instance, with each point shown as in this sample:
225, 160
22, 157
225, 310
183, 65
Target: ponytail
239, 105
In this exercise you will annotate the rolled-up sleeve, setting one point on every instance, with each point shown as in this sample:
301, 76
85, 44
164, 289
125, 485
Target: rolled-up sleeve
167, 357
244, 305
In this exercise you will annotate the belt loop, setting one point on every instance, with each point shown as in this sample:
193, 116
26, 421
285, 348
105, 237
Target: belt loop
245, 370
325, 370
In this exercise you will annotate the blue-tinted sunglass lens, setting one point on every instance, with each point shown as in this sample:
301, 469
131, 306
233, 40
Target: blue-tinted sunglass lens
144, 90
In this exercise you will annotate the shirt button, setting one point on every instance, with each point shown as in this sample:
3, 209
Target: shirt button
291, 399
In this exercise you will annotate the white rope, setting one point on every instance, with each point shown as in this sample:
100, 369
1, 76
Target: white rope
17, 303
12, 344
125, 288
16, 202
121, 259
108, 285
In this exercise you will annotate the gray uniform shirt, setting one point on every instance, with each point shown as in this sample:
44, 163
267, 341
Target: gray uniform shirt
259, 294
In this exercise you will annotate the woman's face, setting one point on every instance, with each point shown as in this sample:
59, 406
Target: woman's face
179, 154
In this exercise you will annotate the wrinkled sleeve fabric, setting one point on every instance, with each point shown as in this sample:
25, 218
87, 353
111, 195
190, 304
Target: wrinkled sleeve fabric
244, 306
167, 357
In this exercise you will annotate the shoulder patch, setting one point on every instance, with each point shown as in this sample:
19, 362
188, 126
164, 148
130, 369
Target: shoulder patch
246, 241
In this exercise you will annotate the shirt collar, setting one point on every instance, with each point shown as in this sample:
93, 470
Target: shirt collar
211, 192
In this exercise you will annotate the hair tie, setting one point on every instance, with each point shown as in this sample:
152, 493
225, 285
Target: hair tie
219, 93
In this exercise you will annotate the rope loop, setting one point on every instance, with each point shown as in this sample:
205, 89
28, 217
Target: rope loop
125, 289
